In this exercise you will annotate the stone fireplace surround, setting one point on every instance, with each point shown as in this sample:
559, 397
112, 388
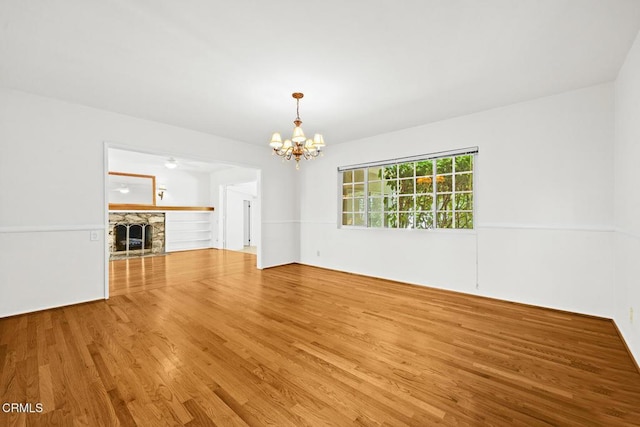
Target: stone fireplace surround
155, 219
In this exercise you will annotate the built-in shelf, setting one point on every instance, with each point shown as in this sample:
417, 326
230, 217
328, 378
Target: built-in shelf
186, 227
187, 230
191, 240
134, 207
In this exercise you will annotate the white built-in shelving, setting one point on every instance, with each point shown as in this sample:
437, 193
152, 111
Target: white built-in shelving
185, 230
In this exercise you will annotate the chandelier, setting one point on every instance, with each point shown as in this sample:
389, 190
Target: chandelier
298, 146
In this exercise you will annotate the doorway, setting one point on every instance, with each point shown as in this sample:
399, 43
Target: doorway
240, 225
186, 194
247, 223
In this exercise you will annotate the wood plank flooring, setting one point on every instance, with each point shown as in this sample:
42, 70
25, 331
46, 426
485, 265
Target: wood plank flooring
203, 338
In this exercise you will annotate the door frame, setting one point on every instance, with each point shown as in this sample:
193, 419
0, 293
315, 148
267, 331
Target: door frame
105, 173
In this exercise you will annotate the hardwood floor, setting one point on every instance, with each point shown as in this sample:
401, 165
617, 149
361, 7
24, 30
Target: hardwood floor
203, 338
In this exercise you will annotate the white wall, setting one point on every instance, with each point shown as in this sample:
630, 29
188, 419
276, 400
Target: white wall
543, 206
184, 187
627, 203
52, 194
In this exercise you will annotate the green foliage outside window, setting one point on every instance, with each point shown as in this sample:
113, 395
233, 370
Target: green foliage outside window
422, 194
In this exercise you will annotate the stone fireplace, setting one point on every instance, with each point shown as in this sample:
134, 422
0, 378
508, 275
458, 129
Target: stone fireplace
136, 234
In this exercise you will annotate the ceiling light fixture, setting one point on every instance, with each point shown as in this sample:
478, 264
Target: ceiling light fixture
171, 163
124, 189
298, 146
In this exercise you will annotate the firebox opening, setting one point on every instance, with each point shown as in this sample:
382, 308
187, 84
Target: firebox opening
133, 237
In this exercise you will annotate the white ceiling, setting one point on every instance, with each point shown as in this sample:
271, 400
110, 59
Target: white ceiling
148, 161
365, 66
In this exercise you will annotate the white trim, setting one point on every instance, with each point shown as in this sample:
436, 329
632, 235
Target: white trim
597, 229
260, 210
105, 210
449, 231
223, 209
627, 338
48, 307
627, 233
298, 221
311, 221
475, 192
50, 228
430, 156
222, 215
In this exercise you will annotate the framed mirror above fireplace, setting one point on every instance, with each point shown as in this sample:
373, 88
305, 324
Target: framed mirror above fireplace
132, 189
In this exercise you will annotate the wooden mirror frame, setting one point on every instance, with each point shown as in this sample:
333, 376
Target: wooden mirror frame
135, 175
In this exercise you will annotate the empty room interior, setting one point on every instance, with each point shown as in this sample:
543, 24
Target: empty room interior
319, 213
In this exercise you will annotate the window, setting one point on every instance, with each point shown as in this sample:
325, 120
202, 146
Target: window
353, 197
425, 192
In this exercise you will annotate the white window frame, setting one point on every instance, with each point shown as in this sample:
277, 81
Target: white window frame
385, 163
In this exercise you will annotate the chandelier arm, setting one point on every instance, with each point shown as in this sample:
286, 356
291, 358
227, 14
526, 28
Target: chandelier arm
308, 154
282, 153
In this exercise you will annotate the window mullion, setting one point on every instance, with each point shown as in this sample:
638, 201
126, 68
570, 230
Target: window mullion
415, 195
434, 205
453, 192
366, 197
